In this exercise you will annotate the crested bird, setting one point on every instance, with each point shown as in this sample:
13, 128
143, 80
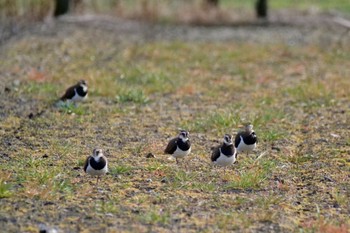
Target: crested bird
246, 140
77, 92
225, 154
180, 146
96, 164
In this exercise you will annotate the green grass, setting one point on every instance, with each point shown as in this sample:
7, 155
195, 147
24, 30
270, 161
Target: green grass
220, 121
133, 96
72, 108
311, 95
5, 189
43, 91
253, 178
155, 217
107, 207
137, 93
120, 169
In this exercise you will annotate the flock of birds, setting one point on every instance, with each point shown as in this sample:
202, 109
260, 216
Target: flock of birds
179, 147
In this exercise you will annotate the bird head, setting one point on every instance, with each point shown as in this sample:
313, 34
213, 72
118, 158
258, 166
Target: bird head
82, 82
97, 153
249, 128
183, 135
228, 139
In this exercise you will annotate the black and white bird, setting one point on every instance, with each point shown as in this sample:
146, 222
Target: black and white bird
96, 165
76, 93
225, 154
180, 146
246, 140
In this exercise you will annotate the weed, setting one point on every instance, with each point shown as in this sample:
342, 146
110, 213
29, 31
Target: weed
156, 166
218, 121
253, 178
69, 107
155, 217
5, 189
134, 96
62, 185
120, 169
203, 186
270, 135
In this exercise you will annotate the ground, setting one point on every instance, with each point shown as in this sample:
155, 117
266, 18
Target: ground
146, 81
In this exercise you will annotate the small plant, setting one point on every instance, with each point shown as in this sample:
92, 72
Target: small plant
248, 180
204, 186
71, 108
63, 185
108, 206
271, 135
155, 217
182, 179
120, 169
134, 96
253, 178
156, 166
5, 189
221, 121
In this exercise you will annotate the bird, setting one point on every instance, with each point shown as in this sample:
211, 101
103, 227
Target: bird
180, 146
225, 154
77, 92
246, 141
96, 165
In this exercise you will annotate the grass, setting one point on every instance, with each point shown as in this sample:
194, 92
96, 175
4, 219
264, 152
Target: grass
71, 108
295, 96
218, 121
254, 178
120, 169
5, 189
155, 217
134, 96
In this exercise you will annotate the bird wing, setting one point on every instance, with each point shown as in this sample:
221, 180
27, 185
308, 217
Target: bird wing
171, 147
238, 139
86, 164
216, 154
70, 92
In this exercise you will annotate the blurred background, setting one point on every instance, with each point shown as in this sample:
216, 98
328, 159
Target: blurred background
185, 11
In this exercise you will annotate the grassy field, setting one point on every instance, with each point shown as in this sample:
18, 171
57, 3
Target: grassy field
297, 97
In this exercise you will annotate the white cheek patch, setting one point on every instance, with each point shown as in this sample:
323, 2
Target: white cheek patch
85, 88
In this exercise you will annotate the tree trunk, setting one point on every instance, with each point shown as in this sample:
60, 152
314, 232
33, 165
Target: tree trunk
61, 7
261, 8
